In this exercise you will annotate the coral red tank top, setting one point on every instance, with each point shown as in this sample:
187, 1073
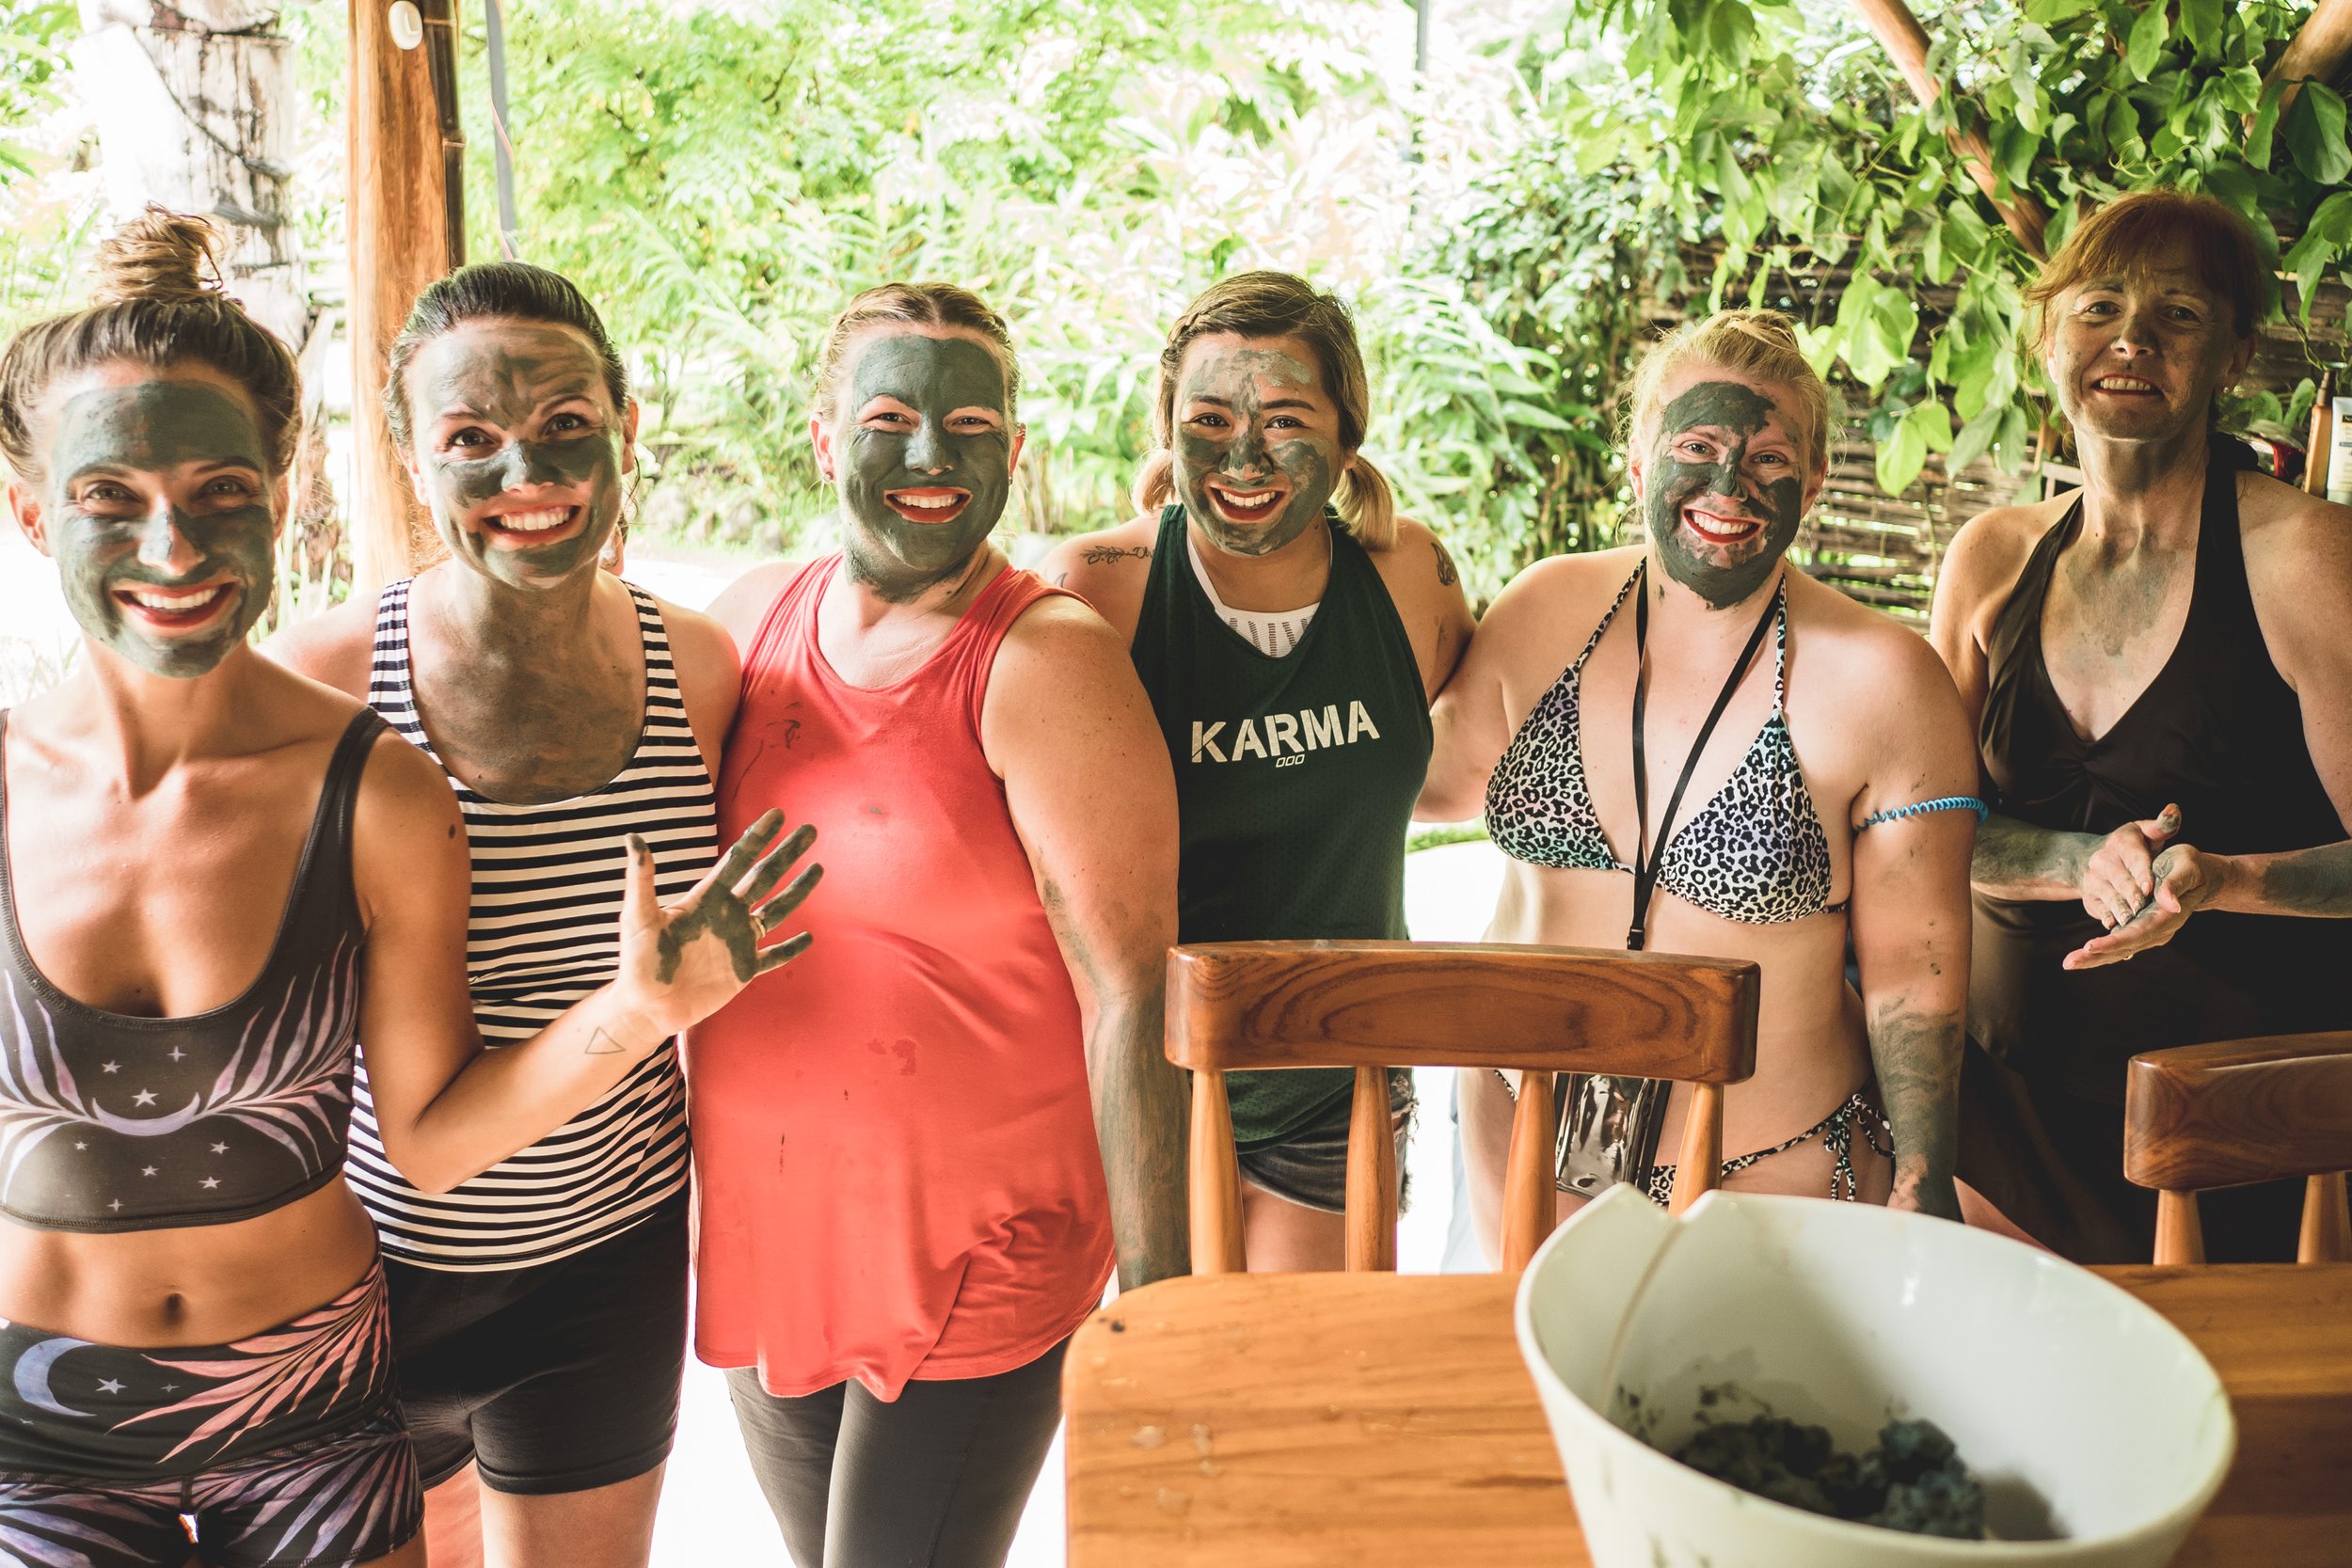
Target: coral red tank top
894, 1145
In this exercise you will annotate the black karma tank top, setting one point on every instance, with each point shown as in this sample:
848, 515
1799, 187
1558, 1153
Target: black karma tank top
1295, 778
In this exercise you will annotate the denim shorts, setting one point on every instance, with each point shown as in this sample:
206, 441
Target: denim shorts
1310, 1167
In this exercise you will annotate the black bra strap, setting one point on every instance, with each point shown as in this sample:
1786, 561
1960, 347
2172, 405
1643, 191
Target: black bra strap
1644, 864
325, 890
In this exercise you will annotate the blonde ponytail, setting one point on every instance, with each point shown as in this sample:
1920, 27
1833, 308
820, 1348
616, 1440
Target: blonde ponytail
1156, 482
1366, 505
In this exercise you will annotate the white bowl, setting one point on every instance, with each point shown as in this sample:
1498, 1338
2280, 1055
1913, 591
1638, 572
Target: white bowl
2082, 1411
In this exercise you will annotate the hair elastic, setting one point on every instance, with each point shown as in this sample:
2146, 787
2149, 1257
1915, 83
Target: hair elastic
1942, 803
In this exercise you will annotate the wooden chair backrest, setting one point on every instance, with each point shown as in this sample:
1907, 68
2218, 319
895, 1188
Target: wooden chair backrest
1372, 1005
2239, 1110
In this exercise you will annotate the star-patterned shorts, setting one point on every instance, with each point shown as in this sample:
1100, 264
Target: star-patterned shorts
283, 1450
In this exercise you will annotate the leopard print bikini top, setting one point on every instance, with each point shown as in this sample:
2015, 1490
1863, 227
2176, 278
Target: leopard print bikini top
1755, 852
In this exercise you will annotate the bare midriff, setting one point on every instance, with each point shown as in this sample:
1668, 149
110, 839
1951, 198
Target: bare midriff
187, 1285
1811, 1050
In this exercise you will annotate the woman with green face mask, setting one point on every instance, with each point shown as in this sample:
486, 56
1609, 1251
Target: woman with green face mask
216, 878
1689, 746
1291, 630
539, 1310
916, 1154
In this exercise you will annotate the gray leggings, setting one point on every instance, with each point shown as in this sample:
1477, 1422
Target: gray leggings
936, 1479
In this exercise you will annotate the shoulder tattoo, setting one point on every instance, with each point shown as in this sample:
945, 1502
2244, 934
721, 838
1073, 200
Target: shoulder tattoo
1103, 555
1447, 576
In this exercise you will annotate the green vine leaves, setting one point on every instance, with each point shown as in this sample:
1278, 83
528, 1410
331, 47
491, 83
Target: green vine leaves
1792, 138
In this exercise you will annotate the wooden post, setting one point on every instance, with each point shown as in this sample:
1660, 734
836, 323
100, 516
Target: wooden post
1699, 1168
2327, 1235
2179, 1231
2318, 50
1907, 42
1215, 1178
1371, 1207
2319, 448
398, 223
1529, 1208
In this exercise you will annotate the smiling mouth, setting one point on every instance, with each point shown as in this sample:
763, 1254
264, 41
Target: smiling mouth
1247, 506
175, 609
1716, 529
2127, 386
538, 526
932, 504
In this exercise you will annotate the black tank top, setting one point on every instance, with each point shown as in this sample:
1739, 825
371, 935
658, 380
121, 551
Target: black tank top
1295, 778
2221, 733
114, 1122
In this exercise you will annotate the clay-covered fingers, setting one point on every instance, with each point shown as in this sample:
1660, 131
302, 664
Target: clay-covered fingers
744, 853
754, 885
2154, 927
641, 897
2121, 874
2110, 900
784, 952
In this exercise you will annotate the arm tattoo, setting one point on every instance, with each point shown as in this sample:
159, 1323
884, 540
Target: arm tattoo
1916, 1056
1447, 576
601, 1044
1103, 555
2313, 881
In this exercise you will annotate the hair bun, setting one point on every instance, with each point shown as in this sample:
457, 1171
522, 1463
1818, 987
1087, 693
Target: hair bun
1776, 327
160, 254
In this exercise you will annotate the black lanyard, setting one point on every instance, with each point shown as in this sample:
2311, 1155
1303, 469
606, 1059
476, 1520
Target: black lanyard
1645, 866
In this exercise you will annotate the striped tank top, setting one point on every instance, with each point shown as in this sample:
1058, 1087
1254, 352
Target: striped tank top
544, 932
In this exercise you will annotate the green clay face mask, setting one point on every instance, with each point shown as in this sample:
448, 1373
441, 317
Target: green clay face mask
520, 449
171, 584
1249, 468
923, 477
1720, 523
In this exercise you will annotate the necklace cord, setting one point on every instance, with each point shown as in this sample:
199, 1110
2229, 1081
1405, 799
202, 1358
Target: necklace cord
1645, 867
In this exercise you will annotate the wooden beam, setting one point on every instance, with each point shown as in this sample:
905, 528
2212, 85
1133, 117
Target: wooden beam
1896, 28
398, 223
2319, 49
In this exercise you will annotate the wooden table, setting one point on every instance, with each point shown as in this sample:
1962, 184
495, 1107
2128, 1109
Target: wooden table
1370, 1420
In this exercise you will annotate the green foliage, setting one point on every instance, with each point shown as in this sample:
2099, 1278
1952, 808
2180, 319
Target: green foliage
32, 36
722, 184
1792, 137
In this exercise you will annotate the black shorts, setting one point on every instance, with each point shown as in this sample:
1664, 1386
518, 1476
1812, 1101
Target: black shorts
1310, 1166
281, 1450
557, 1377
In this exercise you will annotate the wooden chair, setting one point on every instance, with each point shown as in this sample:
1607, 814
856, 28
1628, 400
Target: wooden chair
2240, 1111
1372, 1005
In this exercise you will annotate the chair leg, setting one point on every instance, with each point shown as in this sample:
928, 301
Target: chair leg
2327, 1222
1215, 1178
2180, 1235
1371, 1176
1699, 1168
1528, 1207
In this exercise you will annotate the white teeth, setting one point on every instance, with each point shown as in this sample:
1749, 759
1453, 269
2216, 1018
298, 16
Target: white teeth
179, 603
535, 522
2124, 384
929, 503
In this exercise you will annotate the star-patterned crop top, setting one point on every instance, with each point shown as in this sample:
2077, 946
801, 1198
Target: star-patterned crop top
114, 1122
1754, 853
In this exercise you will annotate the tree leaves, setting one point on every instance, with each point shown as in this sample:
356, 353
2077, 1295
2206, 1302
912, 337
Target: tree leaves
2146, 41
1926, 427
2314, 132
